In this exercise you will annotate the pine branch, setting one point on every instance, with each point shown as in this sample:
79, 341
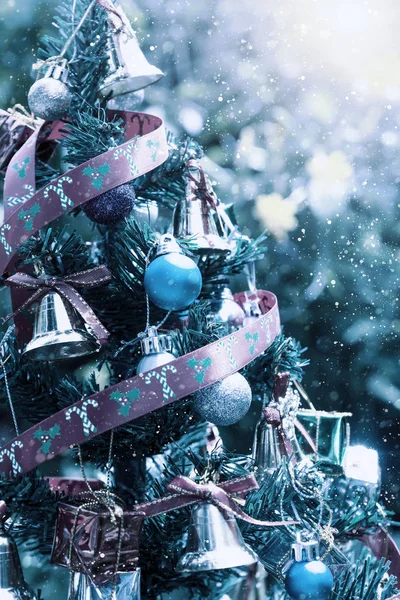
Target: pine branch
91, 134
284, 354
246, 251
87, 56
59, 251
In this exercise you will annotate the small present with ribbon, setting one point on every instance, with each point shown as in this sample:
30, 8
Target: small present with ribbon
323, 436
15, 129
73, 487
96, 538
94, 534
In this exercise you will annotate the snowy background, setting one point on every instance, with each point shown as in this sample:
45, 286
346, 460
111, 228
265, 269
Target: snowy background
298, 106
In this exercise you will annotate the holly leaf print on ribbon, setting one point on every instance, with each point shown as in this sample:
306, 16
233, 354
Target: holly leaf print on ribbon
29, 216
154, 146
252, 338
97, 174
47, 437
21, 167
125, 400
200, 367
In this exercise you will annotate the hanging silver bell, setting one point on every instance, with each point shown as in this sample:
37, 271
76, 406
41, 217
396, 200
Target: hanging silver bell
125, 586
214, 541
129, 69
59, 332
266, 452
12, 583
193, 219
222, 306
146, 212
251, 308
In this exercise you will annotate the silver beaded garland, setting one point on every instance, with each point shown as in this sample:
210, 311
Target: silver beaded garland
225, 402
50, 97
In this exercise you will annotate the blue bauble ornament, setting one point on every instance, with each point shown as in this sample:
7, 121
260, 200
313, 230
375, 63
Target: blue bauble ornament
112, 206
309, 580
172, 280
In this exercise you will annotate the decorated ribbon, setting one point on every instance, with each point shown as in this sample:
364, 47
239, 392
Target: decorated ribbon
137, 396
145, 148
189, 492
65, 286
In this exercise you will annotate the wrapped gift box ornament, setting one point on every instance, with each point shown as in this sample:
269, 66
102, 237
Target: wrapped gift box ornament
96, 540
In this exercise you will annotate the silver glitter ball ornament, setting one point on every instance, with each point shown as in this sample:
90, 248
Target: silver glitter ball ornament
225, 402
50, 97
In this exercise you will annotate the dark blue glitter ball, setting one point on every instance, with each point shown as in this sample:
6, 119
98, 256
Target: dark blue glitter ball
112, 206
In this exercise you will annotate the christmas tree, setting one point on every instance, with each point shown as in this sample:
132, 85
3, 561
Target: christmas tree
128, 351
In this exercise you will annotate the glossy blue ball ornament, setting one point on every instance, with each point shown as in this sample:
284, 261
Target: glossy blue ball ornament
172, 281
309, 580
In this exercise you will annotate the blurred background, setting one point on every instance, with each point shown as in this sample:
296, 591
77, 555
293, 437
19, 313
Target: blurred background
297, 105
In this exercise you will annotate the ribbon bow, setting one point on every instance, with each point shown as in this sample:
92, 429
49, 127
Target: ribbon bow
189, 492
273, 417
202, 185
65, 286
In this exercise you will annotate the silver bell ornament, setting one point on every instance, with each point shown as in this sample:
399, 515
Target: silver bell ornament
172, 280
193, 215
123, 586
275, 431
146, 212
129, 69
225, 402
251, 306
222, 306
308, 578
156, 349
50, 97
59, 332
266, 451
12, 583
214, 542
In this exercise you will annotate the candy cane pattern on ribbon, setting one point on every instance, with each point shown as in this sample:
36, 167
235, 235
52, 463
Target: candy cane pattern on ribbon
6, 245
65, 201
16, 467
227, 346
14, 200
266, 324
162, 378
88, 426
127, 152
